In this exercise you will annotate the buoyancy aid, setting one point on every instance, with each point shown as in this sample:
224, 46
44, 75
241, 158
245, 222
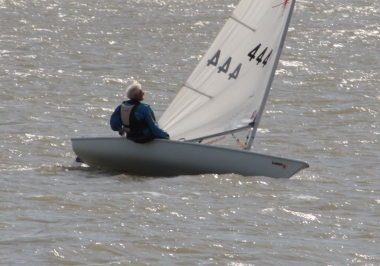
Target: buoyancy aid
130, 123
125, 114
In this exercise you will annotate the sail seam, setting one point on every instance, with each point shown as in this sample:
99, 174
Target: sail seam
245, 25
191, 88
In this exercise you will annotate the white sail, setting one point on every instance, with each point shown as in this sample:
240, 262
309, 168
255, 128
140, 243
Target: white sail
226, 92
229, 87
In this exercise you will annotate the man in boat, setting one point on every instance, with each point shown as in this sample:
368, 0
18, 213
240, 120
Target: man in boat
137, 118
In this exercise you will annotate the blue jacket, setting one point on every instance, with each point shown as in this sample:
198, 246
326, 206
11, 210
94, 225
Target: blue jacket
144, 112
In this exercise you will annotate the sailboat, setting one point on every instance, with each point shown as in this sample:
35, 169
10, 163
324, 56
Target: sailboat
225, 94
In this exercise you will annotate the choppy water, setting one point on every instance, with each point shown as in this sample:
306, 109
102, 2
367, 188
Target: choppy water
64, 66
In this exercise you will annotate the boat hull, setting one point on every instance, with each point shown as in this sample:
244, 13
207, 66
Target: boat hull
174, 158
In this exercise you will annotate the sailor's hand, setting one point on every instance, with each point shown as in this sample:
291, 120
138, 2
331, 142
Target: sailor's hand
121, 131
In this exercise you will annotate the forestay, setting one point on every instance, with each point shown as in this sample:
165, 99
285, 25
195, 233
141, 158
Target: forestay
228, 89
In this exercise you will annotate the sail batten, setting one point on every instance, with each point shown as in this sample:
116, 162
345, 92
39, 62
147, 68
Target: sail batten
241, 62
197, 91
245, 25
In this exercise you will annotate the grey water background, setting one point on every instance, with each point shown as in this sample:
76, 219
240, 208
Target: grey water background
64, 66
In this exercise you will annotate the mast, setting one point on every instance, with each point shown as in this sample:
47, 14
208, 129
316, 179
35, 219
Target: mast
262, 106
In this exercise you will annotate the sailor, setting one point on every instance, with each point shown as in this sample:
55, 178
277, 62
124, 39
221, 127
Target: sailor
138, 118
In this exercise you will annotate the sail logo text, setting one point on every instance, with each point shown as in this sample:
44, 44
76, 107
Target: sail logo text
216, 140
279, 164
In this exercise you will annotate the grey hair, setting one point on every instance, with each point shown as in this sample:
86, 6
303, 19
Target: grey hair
133, 89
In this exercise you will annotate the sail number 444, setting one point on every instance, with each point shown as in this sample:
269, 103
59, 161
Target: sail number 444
252, 55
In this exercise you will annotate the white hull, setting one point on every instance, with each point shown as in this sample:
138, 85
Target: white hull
173, 158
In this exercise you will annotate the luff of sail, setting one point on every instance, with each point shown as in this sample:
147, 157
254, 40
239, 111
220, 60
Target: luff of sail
228, 88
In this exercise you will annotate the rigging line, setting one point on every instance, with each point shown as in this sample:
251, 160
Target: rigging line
245, 25
238, 141
247, 139
191, 88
